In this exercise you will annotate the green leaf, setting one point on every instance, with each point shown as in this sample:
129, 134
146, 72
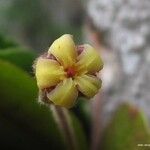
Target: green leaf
5, 42
21, 57
11, 136
126, 130
23, 118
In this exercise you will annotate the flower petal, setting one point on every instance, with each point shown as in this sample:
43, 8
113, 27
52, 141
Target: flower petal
65, 94
90, 59
64, 50
88, 85
48, 73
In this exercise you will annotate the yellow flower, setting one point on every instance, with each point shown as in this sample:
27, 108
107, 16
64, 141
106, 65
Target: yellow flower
67, 70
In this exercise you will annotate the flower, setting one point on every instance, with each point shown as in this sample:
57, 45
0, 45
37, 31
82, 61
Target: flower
67, 70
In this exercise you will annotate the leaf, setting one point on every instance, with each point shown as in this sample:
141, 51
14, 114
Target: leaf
5, 42
21, 57
126, 130
11, 136
24, 119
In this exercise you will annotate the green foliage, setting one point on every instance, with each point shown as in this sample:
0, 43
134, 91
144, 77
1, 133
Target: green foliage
28, 123
6, 43
19, 56
126, 131
12, 52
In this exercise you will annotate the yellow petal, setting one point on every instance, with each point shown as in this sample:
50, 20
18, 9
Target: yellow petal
65, 94
90, 59
64, 50
48, 73
88, 85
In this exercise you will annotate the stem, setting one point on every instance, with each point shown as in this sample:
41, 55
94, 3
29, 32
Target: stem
63, 120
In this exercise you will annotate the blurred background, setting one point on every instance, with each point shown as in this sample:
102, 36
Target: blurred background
120, 32
37, 23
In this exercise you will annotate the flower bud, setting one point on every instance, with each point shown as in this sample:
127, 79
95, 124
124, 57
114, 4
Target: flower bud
66, 69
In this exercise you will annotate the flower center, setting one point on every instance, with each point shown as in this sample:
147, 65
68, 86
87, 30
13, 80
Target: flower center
70, 72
